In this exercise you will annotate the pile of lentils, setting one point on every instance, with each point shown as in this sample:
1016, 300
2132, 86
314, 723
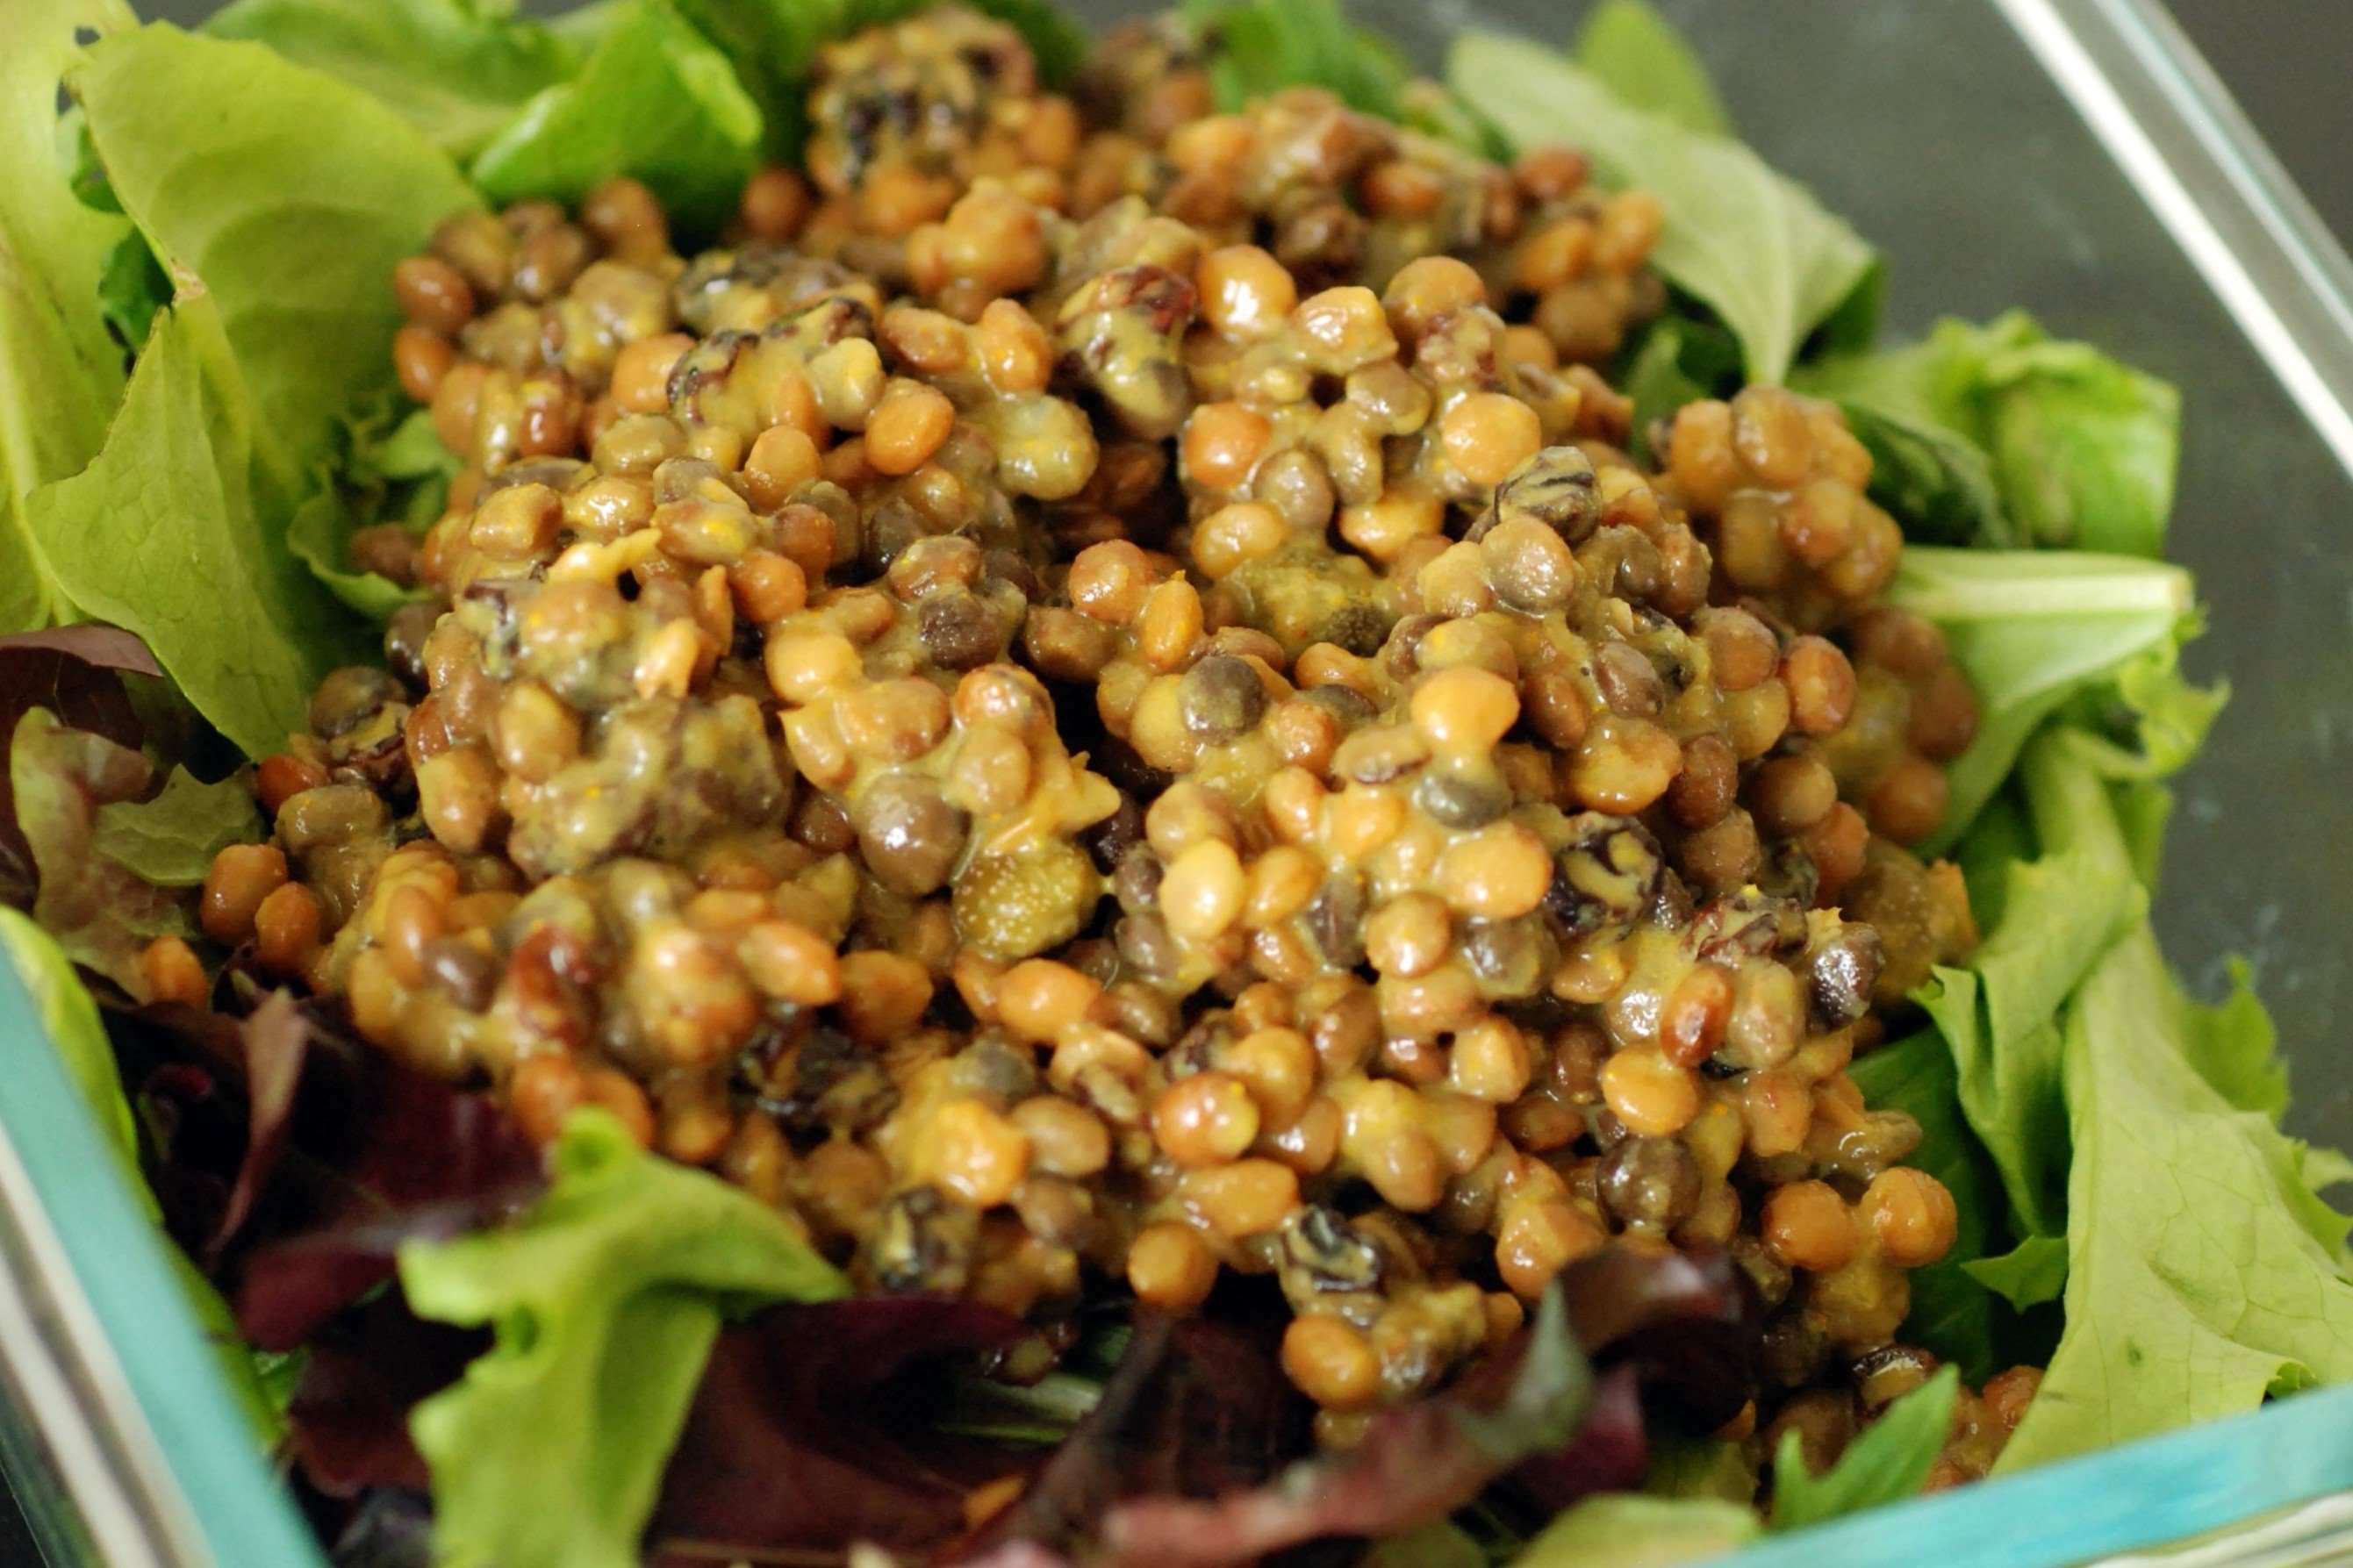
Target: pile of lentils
1094, 699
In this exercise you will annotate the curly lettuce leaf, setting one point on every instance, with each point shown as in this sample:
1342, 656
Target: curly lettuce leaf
170, 841
389, 472
656, 101
606, 1298
169, 534
60, 374
1889, 1462
1635, 53
1939, 483
456, 70
2033, 629
1756, 248
279, 198
287, 195
2033, 1272
2000, 1017
2079, 449
2204, 1272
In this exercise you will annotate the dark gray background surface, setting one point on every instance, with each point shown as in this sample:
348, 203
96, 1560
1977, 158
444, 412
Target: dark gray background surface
2280, 582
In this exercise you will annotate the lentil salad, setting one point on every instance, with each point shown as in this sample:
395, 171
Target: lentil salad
1119, 698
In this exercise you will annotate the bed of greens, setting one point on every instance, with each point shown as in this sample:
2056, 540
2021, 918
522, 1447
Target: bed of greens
197, 409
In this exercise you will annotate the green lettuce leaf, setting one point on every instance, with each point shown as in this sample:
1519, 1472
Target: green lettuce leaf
1999, 1018
456, 70
2058, 912
320, 534
1637, 54
171, 840
2204, 1271
2233, 1048
772, 46
2033, 1272
1953, 1312
1679, 358
1755, 247
657, 101
606, 1298
1634, 1529
1937, 481
1261, 45
391, 466
168, 535
131, 289
288, 196
101, 912
60, 374
279, 198
1888, 1462
2080, 449
400, 474
2033, 629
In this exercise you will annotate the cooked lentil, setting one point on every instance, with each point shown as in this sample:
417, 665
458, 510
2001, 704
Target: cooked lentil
1096, 696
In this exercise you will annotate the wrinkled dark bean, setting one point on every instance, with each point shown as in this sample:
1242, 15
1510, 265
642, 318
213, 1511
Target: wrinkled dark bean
1841, 974
923, 1241
958, 631
404, 640
1336, 919
1135, 883
1456, 799
1557, 487
1651, 1181
1145, 943
1627, 680
1221, 698
1004, 566
909, 836
349, 697
1323, 1254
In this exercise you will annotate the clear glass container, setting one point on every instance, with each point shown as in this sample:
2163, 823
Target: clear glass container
2071, 156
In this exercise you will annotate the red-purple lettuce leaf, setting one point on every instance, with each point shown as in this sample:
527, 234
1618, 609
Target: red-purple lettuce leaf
277, 1036
1415, 1464
1677, 1331
1196, 1408
814, 1428
348, 1420
316, 1153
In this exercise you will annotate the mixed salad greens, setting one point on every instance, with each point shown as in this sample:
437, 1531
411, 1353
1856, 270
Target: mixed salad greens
196, 412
